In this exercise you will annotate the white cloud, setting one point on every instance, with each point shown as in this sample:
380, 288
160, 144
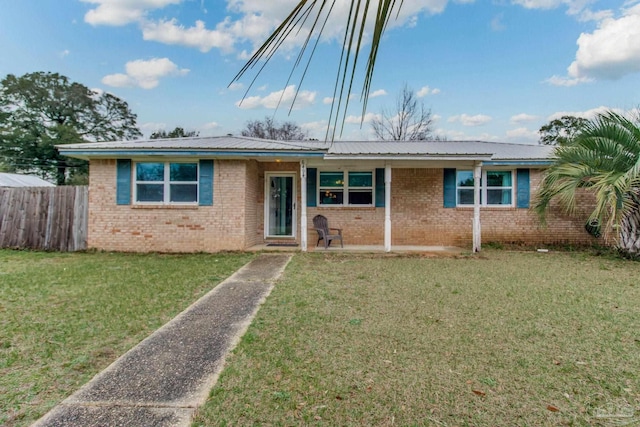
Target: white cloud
567, 81
118, 80
315, 129
356, 120
588, 114
65, 53
282, 98
211, 126
496, 23
467, 120
236, 86
456, 135
379, 92
522, 135
327, 100
600, 15
523, 118
539, 4
122, 12
170, 32
574, 7
257, 18
612, 50
150, 127
145, 74
426, 90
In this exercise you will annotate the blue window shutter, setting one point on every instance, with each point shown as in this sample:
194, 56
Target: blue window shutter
312, 179
449, 182
123, 181
380, 188
523, 188
206, 183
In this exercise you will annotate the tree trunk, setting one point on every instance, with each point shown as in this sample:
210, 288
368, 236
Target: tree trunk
629, 237
61, 175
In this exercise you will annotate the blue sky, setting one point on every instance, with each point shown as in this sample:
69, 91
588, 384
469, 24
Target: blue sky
488, 70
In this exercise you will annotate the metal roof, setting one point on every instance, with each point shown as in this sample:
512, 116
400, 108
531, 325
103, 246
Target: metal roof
233, 143
17, 180
244, 146
495, 150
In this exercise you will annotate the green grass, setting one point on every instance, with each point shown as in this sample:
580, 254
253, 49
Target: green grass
65, 317
505, 338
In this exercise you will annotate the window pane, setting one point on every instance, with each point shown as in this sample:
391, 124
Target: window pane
499, 178
150, 171
465, 197
183, 193
499, 197
149, 192
465, 178
360, 197
331, 179
183, 172
334, 197
360, 179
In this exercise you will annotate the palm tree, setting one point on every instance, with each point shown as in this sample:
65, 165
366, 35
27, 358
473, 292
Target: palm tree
604, 158
311, 16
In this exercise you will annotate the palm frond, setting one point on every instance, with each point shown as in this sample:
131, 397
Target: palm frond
605, 157
317, 13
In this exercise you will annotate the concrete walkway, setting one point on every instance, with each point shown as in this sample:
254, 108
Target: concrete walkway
162, 380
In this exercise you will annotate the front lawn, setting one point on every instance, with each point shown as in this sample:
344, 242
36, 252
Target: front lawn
65, 317
504, 338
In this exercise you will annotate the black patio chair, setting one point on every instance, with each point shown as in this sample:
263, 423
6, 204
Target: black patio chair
321, 224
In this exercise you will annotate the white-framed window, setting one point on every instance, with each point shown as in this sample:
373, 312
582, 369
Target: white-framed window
496, 188
166, 182
346, 188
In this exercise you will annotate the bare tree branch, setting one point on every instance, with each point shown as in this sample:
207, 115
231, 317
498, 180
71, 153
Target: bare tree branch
410, 121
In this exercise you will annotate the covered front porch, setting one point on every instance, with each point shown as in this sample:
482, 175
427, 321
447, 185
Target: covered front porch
382, 189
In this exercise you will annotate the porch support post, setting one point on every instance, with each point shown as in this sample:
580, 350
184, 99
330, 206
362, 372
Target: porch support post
477, 176
303, 207
387, 208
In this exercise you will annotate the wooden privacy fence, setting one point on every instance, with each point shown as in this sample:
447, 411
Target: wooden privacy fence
49, 218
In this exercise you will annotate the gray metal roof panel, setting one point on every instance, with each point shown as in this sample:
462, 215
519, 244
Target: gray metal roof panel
18, 180
202, 143
497, 150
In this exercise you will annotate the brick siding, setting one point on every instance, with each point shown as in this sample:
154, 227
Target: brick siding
169, 228
236, 219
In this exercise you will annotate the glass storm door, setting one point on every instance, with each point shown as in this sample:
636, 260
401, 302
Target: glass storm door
280, 206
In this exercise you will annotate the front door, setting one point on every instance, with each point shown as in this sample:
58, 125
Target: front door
280, 205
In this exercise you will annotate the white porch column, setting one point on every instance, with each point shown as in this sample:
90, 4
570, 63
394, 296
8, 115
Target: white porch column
303, 208
477, 176
387, 208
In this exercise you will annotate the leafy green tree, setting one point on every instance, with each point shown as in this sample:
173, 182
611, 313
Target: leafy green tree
270, 129
178, 132
562, 131
604, 158
40, 110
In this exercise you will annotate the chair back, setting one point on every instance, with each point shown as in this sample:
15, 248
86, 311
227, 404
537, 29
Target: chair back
321, 222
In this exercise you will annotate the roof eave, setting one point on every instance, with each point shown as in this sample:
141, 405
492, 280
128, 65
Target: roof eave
231, 154
409, 157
